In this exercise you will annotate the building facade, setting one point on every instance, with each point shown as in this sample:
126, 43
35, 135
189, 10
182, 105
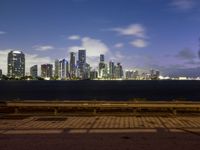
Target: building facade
72, 65
63, 69
118, 71
16, 64
47, 71
102, 67
34, 71
81, 64
111, 70
56, 71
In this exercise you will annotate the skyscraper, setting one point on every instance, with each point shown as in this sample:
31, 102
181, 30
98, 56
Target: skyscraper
46, 70
101, 58
56, 71
82, 64
16, 64
119, 71
34, 71
72, 65
111, 70
63, 69
102, 67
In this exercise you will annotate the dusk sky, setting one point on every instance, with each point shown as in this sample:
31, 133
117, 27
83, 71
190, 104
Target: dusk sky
141, 34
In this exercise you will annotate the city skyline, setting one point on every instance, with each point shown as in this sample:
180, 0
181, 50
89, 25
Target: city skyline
76, 68
144, 34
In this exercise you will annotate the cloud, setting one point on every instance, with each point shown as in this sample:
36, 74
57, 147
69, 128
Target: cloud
186, 54
93, 46
132, 30
135, 31
118, 45
43, 47
74, 37
183, 4
30, 59
2, 32
140, 43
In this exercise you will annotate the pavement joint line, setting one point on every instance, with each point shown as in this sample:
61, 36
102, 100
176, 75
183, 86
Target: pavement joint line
111, 130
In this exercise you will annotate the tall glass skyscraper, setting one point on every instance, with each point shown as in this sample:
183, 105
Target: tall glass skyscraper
16, 64
56, 71
82, 64
72, 65
102, 67
63, 69
111, 70
82, 56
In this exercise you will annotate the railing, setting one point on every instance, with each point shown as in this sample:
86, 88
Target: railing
104, 105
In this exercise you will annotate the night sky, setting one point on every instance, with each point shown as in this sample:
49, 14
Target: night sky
141, 34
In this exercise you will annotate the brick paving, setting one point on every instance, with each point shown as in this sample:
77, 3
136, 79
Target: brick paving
100, 132
100, 122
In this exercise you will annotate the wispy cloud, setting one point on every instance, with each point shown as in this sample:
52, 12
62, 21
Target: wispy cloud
132, 30
2, 32
43, 47
118, 45
136, 31
139, 43
183, 4
74, 37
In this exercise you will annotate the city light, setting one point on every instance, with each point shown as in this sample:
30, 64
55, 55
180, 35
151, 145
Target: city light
78, 70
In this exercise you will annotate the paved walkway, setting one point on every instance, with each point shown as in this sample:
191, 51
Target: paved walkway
100, 132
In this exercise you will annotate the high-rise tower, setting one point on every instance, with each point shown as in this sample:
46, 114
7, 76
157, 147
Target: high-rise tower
34, 71
72, 65
16, 64
47, 70
82, 64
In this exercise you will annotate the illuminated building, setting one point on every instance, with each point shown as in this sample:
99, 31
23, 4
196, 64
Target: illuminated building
130, 74
118, 71
102, 67
63, 69
34, 71
16, 64
81, 64
47, 71
111, 70
154, 75
56, 71
72, 65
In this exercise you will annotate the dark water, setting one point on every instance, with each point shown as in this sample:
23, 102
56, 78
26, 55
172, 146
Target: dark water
100, 90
